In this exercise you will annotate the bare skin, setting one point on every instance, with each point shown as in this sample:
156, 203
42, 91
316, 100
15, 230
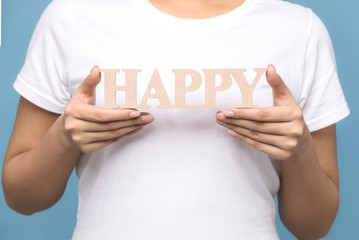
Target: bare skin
44, 147
309, 193
197, 9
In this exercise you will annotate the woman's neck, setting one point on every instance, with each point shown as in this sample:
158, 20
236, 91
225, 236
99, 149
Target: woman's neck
196, 9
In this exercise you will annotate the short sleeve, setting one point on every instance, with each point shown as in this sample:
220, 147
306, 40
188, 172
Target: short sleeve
42, 79
322, 98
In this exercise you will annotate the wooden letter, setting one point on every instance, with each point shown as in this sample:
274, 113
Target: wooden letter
246, 89
180, 86
130, 87
161, 94
210, 85
111, 88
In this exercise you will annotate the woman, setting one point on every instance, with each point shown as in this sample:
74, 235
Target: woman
182, 177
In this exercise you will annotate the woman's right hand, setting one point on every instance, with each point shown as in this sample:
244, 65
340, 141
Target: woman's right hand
90, 128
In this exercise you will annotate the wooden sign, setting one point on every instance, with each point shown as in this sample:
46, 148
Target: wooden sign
156, 89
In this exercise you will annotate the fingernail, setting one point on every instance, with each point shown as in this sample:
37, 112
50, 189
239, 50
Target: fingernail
220, 116
271, 68
135, 114
234, 134
95, 70
228, 114
147, 119
221, 123
139, 130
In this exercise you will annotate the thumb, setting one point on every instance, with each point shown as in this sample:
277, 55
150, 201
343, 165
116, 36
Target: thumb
87, 88
281, 93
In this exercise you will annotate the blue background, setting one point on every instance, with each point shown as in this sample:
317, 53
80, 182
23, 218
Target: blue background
19, 18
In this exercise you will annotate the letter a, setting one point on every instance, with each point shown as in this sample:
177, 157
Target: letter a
161, 94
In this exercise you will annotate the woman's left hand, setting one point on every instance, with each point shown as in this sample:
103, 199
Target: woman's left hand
278, 131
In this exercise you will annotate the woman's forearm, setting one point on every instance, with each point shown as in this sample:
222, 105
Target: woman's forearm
35, 175
35, 180
308, 199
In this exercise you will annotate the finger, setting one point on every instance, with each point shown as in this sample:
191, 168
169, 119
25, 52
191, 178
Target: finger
90, 137
280, 141
94, 146
281, 93
263, 127
87, 126
92, 113
268, 149
266, 114
87, 88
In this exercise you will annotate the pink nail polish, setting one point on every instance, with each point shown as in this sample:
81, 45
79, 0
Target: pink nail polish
220, 116
229, 114
220, 123
139, 130
147, 119
232, 133
135, 114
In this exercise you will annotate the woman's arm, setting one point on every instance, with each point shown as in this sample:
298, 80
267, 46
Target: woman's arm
39, 160
309, 194
44, 147
308, 198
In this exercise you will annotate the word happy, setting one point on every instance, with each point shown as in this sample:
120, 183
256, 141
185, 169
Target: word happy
156, 90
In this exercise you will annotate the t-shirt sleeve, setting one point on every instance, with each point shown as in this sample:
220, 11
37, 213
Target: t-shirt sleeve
42, 80
322, 99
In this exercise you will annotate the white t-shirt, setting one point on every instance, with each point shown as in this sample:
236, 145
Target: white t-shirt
184, 177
